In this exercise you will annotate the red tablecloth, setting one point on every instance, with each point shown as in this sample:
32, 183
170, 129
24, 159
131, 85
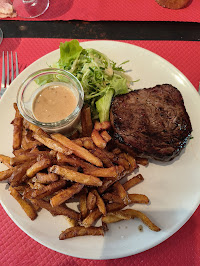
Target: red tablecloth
183, 248
129, 10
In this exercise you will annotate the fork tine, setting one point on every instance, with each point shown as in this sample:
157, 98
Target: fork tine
5, 82
17, 67
12, 68
3, 72
8, 76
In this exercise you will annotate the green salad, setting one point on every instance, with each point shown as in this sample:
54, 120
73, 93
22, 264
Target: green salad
100, 77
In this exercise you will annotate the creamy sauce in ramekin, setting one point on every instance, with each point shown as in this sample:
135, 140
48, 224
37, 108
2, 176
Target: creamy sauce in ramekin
54, 103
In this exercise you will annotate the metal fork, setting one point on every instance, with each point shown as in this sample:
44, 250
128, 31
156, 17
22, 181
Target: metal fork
9, 66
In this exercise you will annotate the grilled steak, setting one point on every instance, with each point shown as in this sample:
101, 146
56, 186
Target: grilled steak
151, 123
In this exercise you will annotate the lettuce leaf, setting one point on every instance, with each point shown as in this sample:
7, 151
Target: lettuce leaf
69, 51
103, 105
119, 84
99, 76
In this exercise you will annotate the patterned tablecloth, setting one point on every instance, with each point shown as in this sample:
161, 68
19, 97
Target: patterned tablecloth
183, 248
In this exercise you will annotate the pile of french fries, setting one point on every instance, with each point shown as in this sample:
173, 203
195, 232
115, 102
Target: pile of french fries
48, 170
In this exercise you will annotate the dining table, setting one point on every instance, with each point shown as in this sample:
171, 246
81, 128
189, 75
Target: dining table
171, 34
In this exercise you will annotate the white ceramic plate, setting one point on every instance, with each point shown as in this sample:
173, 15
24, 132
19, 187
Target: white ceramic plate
173, 187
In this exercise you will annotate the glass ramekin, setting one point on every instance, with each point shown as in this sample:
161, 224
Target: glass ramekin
30, 88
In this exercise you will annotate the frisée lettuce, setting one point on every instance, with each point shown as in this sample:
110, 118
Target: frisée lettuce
99, 76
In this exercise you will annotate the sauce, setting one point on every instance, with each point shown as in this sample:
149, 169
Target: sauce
54, 103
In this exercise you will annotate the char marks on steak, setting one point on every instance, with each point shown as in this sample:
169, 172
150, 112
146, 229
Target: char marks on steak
151, 123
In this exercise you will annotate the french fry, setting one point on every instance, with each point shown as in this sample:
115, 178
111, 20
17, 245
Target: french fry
31, 185
81, 231
111, 197
75, 135
29, 137
28, 208
53, 153
73, 161
45, 190
100, 203
23, 140
103, 172
86, 121
110, 181
88, 144
115, 206
83, 204
133, 181
122, 193
76, 176
77, 150
20, 151
21, 188
107, 182
114, 217
65, 194
134, 198
18, 125
132, 162
45, 178
106, 136
21, 158
52, 144
6, 174
37, 208
143, 218
28, 142
91, 201
38, 186
35, 150
19, 174
34, 128
138, 198
72, 222
102, 156
44, 166
91, 218
124, 163
98, 140
78, 142
106, 125
5, 160
142, 161
106, 153
58, 210
38, 166
73, 168
105, 227
116, 151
